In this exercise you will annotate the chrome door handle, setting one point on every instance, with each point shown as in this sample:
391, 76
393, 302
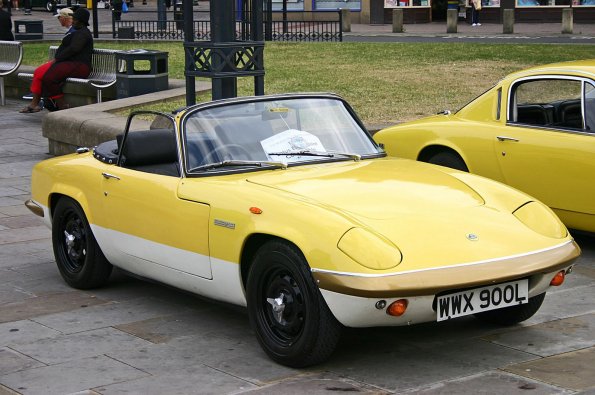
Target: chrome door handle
504, 138
107, 175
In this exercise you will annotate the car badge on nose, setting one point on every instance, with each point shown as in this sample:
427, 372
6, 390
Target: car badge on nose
472, 237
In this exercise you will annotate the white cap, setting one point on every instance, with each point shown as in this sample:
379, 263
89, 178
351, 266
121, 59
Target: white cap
65, 12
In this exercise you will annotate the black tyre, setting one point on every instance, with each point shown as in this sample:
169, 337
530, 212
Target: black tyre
448, 159
78, 256
514, 314
292, 321
49, 6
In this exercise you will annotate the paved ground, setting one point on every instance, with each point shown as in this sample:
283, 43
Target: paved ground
136, 337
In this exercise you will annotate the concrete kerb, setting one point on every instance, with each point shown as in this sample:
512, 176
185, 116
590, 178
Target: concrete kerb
87, 126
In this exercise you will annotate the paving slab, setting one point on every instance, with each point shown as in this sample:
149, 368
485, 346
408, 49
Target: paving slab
574, 370
64, 348
40, 266
210, 320
9, 200
10, 294
565, 303
46, 304
17, 169
10, 236
550, 338
417, 365
239, 356
101, 315
12, 361
586, 272
8, 191
25, 148
196, 379
489, 383
316, 384
70, 377
41, 286
24, 332
22, 221
16, 210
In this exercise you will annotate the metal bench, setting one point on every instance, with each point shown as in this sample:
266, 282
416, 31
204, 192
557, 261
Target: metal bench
103, 70
11, 56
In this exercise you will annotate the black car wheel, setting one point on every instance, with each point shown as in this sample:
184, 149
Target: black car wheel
513, 314
49, 6
292, 322
78, 256
448, 159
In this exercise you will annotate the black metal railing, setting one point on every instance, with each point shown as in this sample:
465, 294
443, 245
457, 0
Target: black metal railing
313, 26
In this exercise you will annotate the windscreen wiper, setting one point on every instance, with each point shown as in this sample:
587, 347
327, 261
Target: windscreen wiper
329, 154
229, 163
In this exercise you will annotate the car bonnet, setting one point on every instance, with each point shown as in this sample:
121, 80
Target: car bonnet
375, 189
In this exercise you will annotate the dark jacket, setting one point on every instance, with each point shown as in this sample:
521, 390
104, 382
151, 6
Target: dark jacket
76, 47
5, 26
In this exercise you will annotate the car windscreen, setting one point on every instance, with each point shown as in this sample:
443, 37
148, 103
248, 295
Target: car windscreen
290, 131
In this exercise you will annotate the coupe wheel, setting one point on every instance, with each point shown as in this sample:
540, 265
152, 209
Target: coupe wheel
292, 322
514, 314
448, 159
78, 256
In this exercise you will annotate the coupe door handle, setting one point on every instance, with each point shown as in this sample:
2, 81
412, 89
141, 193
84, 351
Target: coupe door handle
107, 176
504, 138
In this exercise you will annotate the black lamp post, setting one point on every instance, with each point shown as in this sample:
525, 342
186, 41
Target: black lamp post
224, 58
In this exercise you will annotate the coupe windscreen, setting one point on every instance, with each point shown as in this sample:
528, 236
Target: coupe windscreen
289, 131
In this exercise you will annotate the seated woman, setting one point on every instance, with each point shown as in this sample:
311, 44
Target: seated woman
72, 59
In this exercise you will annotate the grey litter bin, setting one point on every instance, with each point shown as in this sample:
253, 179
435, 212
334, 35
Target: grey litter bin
141, 71
28, 29
126, 32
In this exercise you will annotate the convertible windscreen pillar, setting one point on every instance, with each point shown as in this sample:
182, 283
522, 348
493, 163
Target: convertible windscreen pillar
226, 57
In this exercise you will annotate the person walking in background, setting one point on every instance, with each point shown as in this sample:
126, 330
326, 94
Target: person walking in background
475, 8
27, 6
15, 4
117, 9
72, 59
5, 23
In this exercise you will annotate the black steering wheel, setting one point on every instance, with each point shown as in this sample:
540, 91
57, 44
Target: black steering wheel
226, 152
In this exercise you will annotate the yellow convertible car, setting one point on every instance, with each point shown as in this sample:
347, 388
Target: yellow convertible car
286, 205
534, 130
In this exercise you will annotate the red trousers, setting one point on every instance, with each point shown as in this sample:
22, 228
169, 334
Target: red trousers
49, 77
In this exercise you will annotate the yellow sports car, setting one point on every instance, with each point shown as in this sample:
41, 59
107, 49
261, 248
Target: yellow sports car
286, 205
534, 130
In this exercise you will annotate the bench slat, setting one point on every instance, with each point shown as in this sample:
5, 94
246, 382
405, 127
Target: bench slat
11, 56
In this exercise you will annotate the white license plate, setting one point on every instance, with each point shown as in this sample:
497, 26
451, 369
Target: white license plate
482, 299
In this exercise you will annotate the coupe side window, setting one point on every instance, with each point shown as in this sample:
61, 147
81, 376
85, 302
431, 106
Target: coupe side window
552, 103
589, 107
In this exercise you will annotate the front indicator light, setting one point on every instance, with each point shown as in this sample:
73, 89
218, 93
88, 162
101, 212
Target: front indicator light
397, 308
558, 278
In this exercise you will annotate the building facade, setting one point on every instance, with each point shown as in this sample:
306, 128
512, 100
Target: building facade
423, 11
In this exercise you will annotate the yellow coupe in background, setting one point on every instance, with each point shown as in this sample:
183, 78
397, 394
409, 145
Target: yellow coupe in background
284, 204
534, 130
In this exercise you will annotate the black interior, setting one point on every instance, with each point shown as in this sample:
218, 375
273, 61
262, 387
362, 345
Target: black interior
152, 151
561, 114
